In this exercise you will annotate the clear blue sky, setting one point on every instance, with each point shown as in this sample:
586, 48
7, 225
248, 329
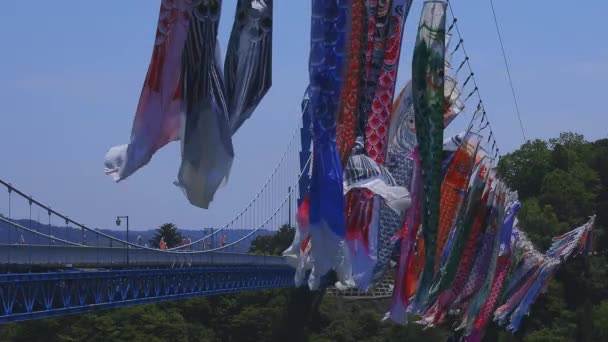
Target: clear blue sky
71, 74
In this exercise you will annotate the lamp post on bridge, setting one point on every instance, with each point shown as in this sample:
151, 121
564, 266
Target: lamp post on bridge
118, 224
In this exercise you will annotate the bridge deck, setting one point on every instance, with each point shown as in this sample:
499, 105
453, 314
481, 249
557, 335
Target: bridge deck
42, 256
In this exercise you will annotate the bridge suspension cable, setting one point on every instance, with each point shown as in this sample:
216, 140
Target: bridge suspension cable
284, 176
259, 195
285, 200
37, 233
479, 113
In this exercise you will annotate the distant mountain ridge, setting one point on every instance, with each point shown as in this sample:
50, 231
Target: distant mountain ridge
9, 234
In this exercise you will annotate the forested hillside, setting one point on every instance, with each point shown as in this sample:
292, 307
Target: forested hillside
561, 182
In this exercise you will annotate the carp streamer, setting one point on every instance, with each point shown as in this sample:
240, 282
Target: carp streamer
327, 57
387, 189
157, 118
188, 97
428, 92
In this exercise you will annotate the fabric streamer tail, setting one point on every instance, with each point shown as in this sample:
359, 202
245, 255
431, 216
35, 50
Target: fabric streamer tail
294, 254
248, 66
216, 102
453, 191
439, 310
540, 269
298, 254
466, 219
404, 277
503, 268
157, 119
498, 225
482, 256
364, 179
207, 152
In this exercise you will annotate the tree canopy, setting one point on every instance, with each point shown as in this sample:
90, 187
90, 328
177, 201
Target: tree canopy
562, 182
273, 244
170, 233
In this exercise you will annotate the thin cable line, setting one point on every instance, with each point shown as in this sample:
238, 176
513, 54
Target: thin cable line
471, 73
504, 56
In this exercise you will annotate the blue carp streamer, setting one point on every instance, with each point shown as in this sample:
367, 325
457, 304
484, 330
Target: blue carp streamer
327, 49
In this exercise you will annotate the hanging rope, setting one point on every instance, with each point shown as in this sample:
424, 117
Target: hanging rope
504, 55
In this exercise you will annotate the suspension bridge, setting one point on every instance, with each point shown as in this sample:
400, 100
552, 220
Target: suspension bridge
53, 265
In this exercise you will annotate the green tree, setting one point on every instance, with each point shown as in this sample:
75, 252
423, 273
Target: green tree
169, 232
525, 169
599, 162
569, 149
562, 182
273, 244
540, 222
600, 320
571, 193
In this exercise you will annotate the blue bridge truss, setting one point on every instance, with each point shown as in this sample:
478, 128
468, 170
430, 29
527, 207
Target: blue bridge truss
27, 296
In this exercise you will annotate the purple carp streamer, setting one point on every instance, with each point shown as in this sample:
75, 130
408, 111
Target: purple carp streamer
157, 119
495, 227
327, 47
428, 92
247, 70
503, 265
474, 295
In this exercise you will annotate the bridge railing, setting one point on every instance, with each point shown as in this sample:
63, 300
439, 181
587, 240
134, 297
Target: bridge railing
48, 257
